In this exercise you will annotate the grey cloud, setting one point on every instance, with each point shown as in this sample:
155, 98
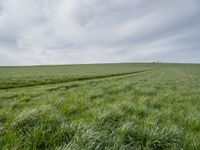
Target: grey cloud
89, 31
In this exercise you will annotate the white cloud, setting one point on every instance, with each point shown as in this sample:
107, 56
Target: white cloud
89, 31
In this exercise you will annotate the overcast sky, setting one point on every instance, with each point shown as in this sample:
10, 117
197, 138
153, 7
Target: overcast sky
36, 32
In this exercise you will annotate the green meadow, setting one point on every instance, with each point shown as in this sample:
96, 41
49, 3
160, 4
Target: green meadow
139, 106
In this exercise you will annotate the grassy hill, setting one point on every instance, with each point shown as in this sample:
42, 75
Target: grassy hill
108, 106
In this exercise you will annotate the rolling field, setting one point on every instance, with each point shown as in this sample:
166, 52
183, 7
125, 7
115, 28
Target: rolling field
11, 77
108, 106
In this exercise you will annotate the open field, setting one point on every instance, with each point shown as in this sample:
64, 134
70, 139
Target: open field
39, 75
110, 106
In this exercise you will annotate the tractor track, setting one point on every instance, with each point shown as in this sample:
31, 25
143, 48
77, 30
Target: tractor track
81, 79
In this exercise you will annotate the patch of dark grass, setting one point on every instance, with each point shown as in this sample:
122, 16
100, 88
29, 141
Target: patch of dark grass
97, 94
51, 136
66, 87
110, 120
25, 99
72, 111
150, 92
192, 123
148, 137
128, 108
3, 117
90, 138
28, 119
16, 105
42, 128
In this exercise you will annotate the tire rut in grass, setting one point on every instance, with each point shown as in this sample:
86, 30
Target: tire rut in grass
77, 79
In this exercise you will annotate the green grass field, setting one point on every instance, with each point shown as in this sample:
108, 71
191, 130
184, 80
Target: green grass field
97, 107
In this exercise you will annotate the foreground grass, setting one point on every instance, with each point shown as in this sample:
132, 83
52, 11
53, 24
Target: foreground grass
158, 109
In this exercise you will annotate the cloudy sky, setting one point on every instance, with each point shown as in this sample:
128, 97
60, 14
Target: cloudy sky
36, 32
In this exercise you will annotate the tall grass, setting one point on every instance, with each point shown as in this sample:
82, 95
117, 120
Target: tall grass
152, 110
